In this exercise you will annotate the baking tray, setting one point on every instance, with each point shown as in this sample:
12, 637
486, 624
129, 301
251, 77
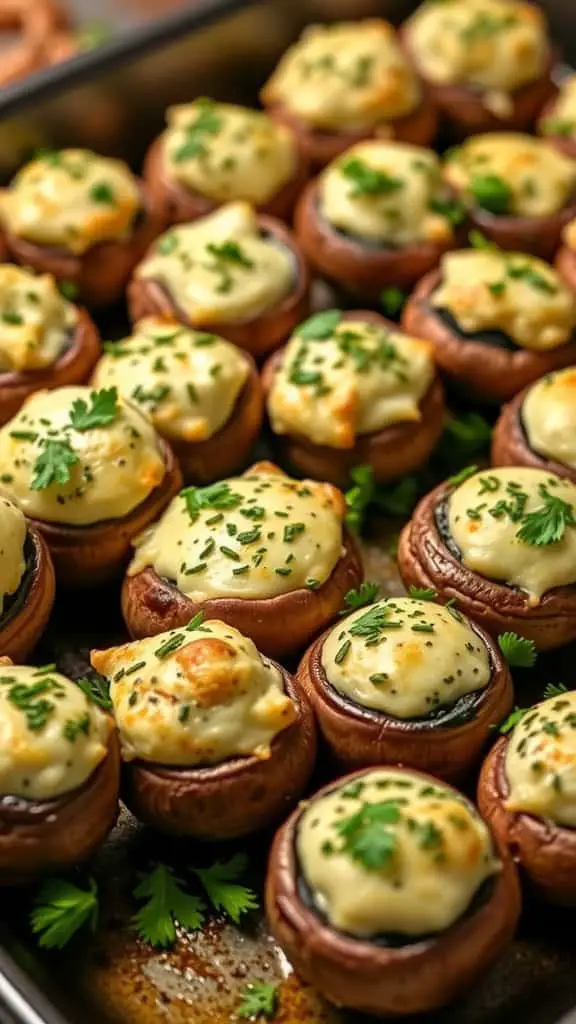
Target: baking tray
113, 99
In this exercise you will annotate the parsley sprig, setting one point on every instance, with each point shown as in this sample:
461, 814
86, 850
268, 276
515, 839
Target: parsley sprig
53, 464
61, 910
547, 524
554, 690
259, 1000
166, 904
366, 593
219, 496
366, 836
97, 689
518, 651
219, 882
102, 410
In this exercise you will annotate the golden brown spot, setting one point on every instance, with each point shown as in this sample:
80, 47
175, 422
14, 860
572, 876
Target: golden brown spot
210, 670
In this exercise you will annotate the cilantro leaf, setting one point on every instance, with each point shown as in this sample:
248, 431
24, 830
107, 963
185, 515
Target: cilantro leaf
97, 689
62, 909
547, 524
518, 651
102, 410
259, 1000
554, 690
53, 465
359, 496
422, 593
165, 904
219, 883
366, 593
511, 722
320, 326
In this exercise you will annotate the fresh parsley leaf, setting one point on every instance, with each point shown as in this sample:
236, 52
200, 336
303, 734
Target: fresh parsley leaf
165, 904
554, 690
491, 193
400, 499
359, 496
259, 1000
468, 434
462, 476
392, 300
365, 594
218, 496
366, 836
518, 651
511, 722
61, 909
320, 326
97, 689
224, 893
53, 465
68, 289
422, 593
102, 410
102, 192
479, 241
368, 180
452, 209
547, 524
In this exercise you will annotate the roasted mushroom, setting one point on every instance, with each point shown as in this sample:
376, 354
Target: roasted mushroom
497, 320
486, 63
45, 341
26, 582
230, 272
81, 217
501, 544
557, 122
342, 83
59, 776
90, 473
203, 395
519, 190
265, 553
214, 153
35, 22
378, 216
538, 427
406, 681
388, 893
218, 741
351, 389
527, 792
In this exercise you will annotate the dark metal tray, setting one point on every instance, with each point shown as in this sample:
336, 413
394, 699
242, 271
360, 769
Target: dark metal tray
113, 99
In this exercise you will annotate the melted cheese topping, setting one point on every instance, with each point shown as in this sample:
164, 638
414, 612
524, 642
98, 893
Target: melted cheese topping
61, 474
52, 737
221, 268
186, 381
495, 46
228, 152
385, 192
198, 696
569, 235
71, 198
541, 761
549, 416
405, 657
488, 510
517, 294
539, 179
12, 541
430, 854
345, 76
253, 536
562, 117
358, 380
35, 321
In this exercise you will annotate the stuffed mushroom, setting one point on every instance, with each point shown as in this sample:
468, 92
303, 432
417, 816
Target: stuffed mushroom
501, 544
557, 122
268, 554
351, 389
89, 472
26, 581
389, 894
217, 740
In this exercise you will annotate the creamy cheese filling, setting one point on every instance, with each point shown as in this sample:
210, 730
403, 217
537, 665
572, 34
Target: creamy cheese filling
405, 657
541, 761
195, 696
520, 295
12, 542
71, 198
52, 737
512, 174
253, 536
495, 46
35, 320
393, 852
569, 235
518, 526
386, 192
345, 76
221, 268
343, 378
228, 152
562, 118
187, 381
549, 416
78, 457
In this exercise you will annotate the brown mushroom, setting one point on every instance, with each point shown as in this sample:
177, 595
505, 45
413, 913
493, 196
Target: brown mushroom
24, 621
425, 561
257, 335
361, 269
511, 447
480, 366
539, 236
446, 745
73, 366
36, 21
566, 265
39, 836
397, 449
233, 798
545, 852
549, 129
375, 978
